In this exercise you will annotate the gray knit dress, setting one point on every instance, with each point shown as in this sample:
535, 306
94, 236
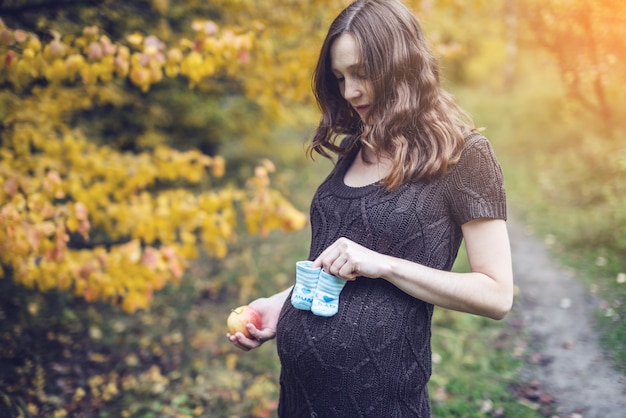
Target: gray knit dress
373, 358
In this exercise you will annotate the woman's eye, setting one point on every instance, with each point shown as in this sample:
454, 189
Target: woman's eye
340, 79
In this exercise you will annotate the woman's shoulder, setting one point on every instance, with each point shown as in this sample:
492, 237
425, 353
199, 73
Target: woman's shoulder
475, 139
474, 186
477, 149
476, 169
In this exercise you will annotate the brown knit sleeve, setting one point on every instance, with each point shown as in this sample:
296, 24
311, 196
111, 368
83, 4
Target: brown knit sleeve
475, 185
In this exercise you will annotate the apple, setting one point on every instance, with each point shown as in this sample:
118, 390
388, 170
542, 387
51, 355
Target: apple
240, 317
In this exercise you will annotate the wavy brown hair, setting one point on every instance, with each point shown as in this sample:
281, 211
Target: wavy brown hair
412, 120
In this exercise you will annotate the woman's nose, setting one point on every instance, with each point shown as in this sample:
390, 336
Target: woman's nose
352, 90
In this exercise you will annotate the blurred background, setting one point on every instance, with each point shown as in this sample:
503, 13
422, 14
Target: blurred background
153, 176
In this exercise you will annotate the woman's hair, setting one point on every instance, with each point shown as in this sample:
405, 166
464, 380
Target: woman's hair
412, 120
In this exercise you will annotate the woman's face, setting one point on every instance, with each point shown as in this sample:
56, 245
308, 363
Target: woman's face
354, 84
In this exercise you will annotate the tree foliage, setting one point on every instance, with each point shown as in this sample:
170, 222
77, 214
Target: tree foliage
104, 223
588, 42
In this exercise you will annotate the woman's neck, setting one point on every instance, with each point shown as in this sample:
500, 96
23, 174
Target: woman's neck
366, 168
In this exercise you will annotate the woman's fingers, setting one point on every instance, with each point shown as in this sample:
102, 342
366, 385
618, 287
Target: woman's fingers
343, 259
261, 335
349, 271
257, 337
242, 342
333, 257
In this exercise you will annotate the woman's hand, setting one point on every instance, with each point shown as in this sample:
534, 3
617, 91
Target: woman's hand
269, 309
346, 259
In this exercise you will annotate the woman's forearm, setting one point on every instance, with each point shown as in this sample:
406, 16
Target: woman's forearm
474, 292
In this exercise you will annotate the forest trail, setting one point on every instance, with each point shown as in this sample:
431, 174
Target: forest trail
556, 310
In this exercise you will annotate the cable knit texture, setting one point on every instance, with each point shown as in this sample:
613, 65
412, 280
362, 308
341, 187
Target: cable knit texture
373, 358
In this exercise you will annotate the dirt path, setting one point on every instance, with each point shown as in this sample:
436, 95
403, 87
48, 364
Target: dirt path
557, 311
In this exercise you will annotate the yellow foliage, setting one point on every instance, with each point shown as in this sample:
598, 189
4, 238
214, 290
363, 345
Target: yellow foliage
132, 220
109, 191
93, 58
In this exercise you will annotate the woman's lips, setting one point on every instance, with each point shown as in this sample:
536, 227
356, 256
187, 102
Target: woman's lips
362, 109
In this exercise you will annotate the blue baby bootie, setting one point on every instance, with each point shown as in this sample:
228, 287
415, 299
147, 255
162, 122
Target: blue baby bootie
306, 282
326, 299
